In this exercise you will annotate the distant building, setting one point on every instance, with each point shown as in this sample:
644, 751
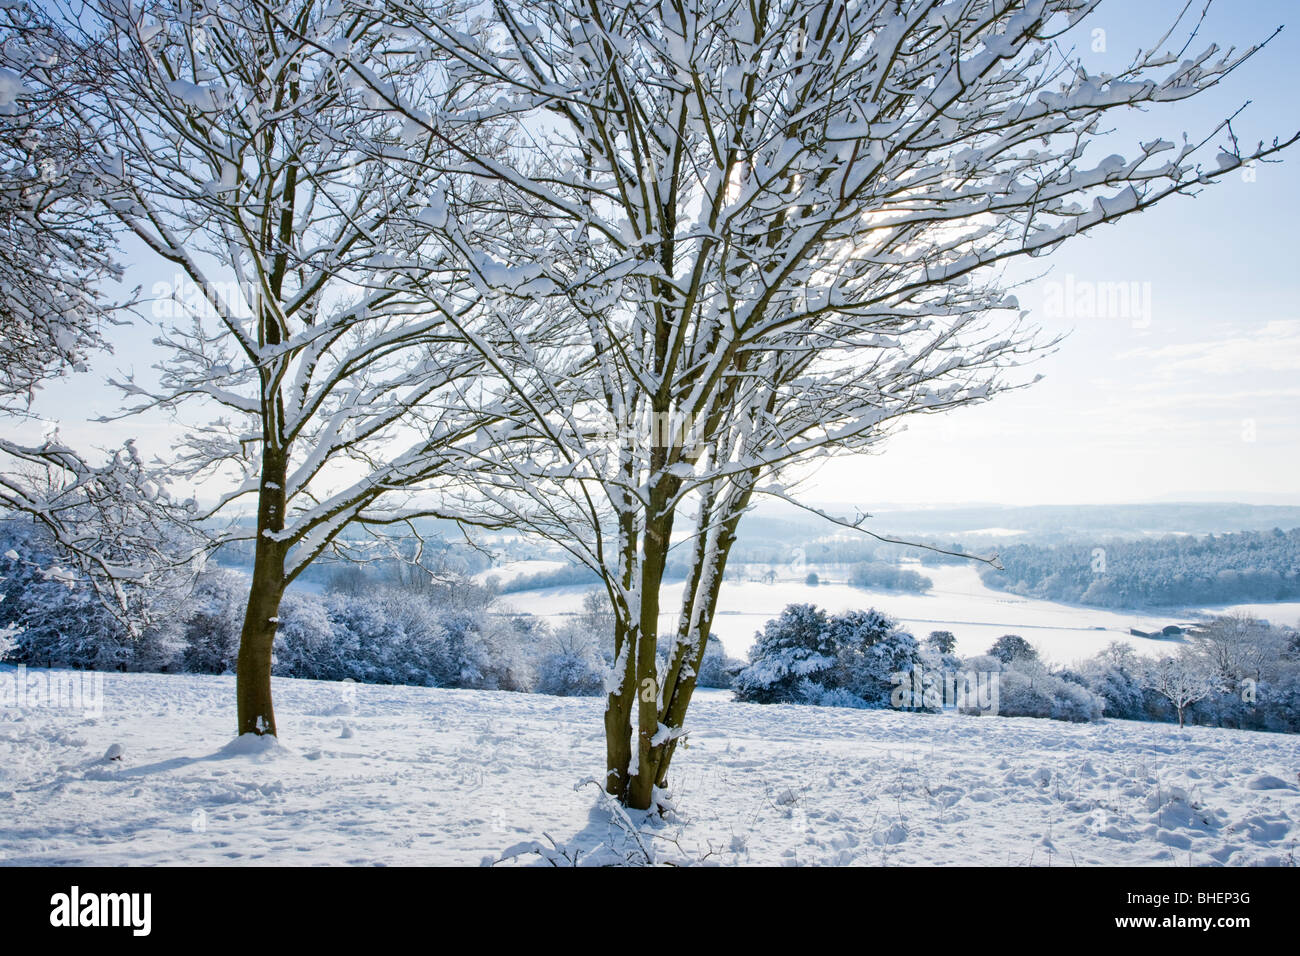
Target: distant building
1169, 630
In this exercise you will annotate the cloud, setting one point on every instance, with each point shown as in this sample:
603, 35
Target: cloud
1273, 347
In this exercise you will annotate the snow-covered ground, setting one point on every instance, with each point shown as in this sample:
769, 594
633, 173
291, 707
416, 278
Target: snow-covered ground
505, 573
959, 602
396, 775
1281, 613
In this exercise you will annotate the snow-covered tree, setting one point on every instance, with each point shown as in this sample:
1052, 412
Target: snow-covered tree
56, 619
1010, 647
113, 524
1182, 679
57, 238
773, 228
110, 521
1239, 647
297, 210
805, 656
944, 642
871, 650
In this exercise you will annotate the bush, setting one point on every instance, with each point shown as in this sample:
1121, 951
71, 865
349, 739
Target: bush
54, 618
1075, 702
308, 645
572, 665
211, 630
1120, 691
716, 668
1023, 695
870, 650
804, 656
791, 648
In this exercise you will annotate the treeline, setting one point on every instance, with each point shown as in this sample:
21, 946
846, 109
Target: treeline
877, 574
1168, 571
391, 628
1237, 672
872, 565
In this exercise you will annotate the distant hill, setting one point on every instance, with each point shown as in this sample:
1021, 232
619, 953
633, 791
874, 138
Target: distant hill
1037, 523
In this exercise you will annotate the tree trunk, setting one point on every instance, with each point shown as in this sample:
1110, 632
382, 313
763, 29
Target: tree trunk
618, 705
256, 714
618, 710
658, 533
708, 579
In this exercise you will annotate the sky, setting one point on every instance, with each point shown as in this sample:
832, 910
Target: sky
1186, 391
1190, 393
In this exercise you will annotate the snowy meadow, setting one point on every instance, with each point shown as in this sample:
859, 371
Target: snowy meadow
385, 776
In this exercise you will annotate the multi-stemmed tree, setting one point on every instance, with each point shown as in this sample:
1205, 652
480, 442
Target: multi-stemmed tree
774, 228
312, 305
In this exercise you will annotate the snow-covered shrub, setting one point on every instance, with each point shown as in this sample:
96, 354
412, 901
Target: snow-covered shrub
1278, 703
307, 643
834, 697
55, 618
571, 664
460, 657
793, 647
1074, 702
804, 655
211, 627
1024, 695
716, 668
1120, 691
870, 650
1026, 688
507, 650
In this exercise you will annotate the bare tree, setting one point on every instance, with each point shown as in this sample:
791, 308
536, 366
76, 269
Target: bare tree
1239, 647
1182, 679
773, 228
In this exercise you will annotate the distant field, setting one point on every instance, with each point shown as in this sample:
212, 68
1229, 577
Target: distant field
959, 602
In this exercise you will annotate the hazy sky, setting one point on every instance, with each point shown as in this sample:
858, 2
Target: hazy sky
1191, 392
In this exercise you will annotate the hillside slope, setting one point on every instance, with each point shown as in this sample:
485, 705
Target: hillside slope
411, 776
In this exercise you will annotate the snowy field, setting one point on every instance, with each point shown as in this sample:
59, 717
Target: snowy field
959, 602
505, 573
374, 775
